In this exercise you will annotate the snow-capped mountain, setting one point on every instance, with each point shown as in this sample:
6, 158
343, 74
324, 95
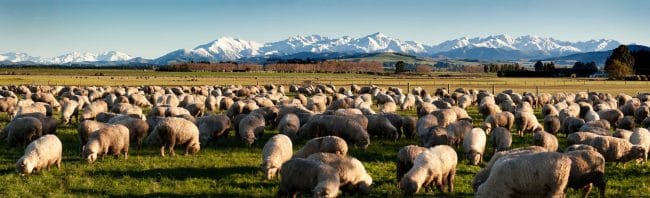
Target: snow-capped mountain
73, 57
17, 57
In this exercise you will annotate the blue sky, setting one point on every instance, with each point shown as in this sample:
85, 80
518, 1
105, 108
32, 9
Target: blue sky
151, 28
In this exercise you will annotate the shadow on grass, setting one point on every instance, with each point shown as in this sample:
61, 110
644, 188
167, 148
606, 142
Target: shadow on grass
180, 173
93, 192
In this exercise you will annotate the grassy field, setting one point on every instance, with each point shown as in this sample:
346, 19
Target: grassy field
228, 168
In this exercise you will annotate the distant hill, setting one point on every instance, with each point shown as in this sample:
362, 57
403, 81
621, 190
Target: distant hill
598, 57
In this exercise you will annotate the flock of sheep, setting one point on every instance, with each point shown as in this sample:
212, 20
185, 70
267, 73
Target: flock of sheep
110, 120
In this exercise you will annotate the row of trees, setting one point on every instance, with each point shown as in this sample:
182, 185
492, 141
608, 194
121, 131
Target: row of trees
213, 67
494, 68
328, 66
541, 66
624, 63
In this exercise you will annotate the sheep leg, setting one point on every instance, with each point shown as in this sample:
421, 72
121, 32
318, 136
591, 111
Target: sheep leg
58, 163
162, 150
126, 152
450, 180
586, 190
172, 143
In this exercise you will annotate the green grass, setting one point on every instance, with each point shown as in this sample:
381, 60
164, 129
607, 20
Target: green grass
228, 168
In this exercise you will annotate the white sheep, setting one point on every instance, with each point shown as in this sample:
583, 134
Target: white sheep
641, 137
113, 139
173, 130
41, 153
353, 175
308, 176
276, 151
546, 140
474, 145
435, 166
328, 144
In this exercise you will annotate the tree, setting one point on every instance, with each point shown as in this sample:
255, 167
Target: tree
620, 63
539, 66
423, 68
399, 67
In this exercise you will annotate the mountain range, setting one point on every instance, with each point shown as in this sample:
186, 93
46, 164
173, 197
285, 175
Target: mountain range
493, 47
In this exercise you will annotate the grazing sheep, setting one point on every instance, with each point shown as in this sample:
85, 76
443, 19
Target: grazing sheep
641, 137
611, 115
572, 125
456, 131
501, 119
484, 173
424, 125
353, 176
212, 126
49, 123
138, 129
342, 126
587, 169
112, 139
380, 126
501, 139
276, 151
172, 131
641, 113
388, 107
308, 176
405, 158
616, 149
408, 126
546, 140
105, 116
580, 138
436, 136
445, 117
527, 122
552, 124
328, 144
22, 131
86, 128
474, 145
626, 123
549, 109
70, 108
435, 166
40, 154
289, 125
623, 134
522, 176
251, 128
576, 147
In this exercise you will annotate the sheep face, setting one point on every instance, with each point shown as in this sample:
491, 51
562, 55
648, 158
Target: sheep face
486, 127
408, 186
90, 152
24, 166
637, 152
325, 190
363, 144
474, 158
194, 148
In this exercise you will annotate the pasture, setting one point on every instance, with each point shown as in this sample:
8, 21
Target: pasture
229, 168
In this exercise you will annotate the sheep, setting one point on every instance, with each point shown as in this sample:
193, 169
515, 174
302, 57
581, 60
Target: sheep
405, 158
501, 119
342, 126
425, 109
435, 136
501, 139
40, 154
549, 109
112, 139
517, 176
484, 173
546, 140
641, 137
70, 108
86, 128
138, 129
611, 115
353, 176
329, 144
572, 125
379, 126
289, 125
388, 107
587, 169
474, 144
552, 124
576, 147
445, 117
580, 138
424, 125
626, 123
48, 123
456, 131
616, 149
527, 122
251, 128
22, 131
105, 116
212, 126
308, 176
408, 126
276, 151
172, 131
435, 166
641, 113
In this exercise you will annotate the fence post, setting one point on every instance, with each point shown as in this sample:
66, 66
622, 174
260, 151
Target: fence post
408, 87
448, 88
493, 89
537, 90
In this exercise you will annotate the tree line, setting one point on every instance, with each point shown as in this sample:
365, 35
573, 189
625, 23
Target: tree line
623, 63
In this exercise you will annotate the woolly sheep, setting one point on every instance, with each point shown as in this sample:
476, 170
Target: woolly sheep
70, 108
616, 149
308, 176
484, 173
405, 158
328, 144
501, 119
408, 126
527, 122
522, 175
251, 128
276, 151
611, 115
435, 166
424, 125
212, 126
22, 131
641, 137
172, 131
572, 125
138, 129
552, 124
86, 128
289, 125
549, 109
342, 126
474, 144
435, 136
388, 107
456, 131
626, 123
353, 176
40, 154
501, 139
587, 169
112, 139
379, 126
546, 140
580, 138
577, 147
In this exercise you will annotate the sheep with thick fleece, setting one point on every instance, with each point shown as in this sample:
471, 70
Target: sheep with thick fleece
112, 139
529, 175
580, 138
289, 125
552, 124
23, 130
527, 122
549, 109
572, 125
70, 108
86, 128
611, 115
173, 130
212, 126
587, 169
502, 119
424, 125
405, 158
352, 174
501, 139
434, 167
484, 173
474, 144
251, 128
445, 116
408, 126
456, 131
41, 154
276, 151
328, 144
641, 137
138, 129
546, 140
342, 126
616, 149
626, 123
308, 176
576, 147
380, 126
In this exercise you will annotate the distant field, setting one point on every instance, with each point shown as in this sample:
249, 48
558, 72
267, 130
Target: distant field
434, 80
